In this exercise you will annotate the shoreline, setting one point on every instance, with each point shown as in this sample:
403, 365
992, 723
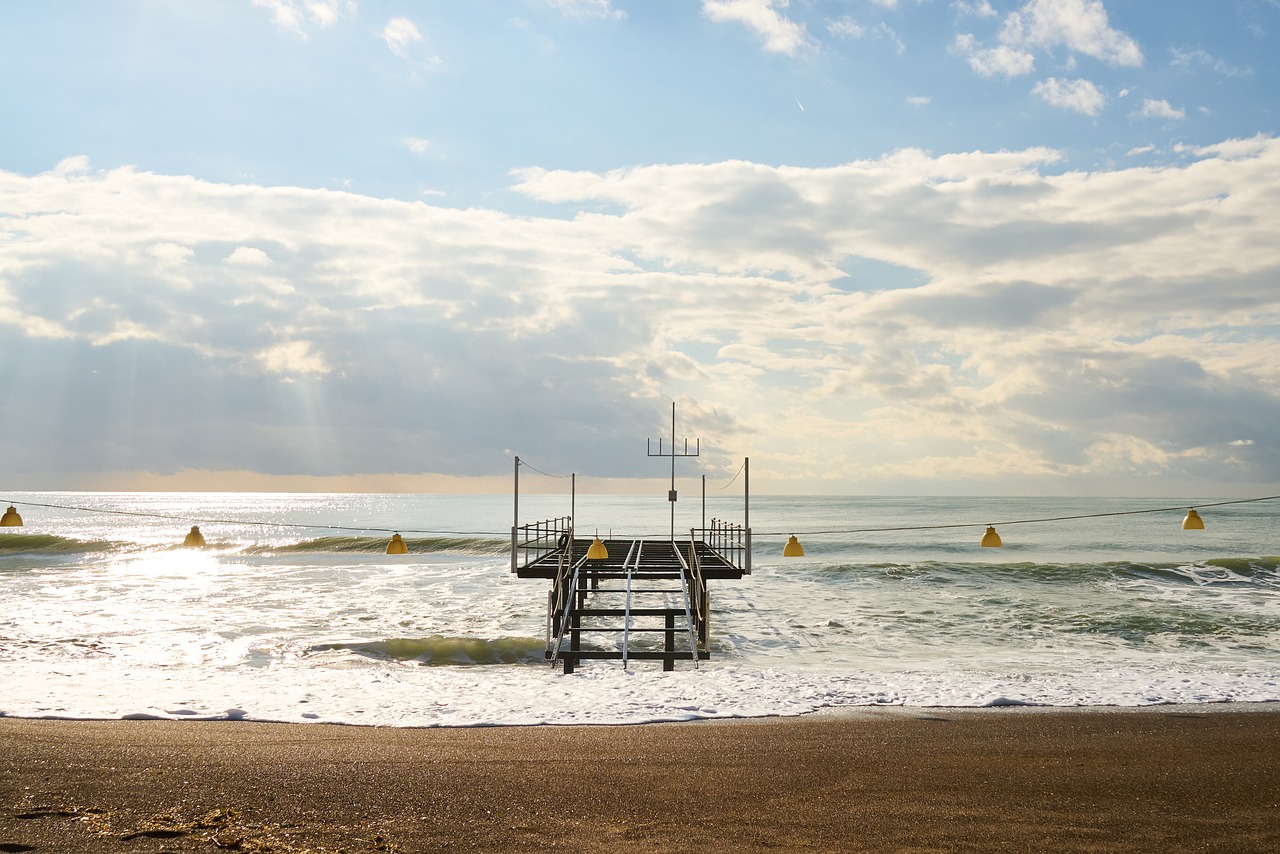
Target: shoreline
1149, 778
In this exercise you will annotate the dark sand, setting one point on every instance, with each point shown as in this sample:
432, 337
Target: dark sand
1162, 779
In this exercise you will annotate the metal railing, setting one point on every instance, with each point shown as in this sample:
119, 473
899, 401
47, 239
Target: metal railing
560, 599
537, 540
695, 599
731, 541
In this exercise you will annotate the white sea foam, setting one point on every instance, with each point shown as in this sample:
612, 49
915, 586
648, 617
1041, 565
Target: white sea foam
266, 627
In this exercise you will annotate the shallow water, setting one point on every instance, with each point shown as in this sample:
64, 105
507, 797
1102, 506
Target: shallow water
293, 615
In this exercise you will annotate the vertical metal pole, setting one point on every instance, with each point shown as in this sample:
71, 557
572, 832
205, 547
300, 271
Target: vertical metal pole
515, 523
746, 509
573, 498
673, 471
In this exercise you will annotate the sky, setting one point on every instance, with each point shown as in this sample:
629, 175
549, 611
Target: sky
960, 247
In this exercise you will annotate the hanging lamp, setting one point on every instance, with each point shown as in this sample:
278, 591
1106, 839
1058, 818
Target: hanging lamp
597, 550
991, 540
194, 539
793, 548
397, 546
1192, 521
11, 519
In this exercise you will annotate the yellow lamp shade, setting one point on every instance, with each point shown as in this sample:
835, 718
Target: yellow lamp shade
991, 540
793, 548
597, 551
397, 546
11, 519
194, 539
1192, 522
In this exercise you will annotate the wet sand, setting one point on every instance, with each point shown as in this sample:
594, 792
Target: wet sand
1157, 779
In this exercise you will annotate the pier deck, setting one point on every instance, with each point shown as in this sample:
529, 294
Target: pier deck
647, 600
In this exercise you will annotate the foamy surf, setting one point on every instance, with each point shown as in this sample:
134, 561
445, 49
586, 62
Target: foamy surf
109, 618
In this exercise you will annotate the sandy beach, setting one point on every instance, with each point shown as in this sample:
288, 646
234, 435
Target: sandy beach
1153, 779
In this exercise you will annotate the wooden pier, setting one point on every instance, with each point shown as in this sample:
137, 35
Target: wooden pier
648, 600
632, 599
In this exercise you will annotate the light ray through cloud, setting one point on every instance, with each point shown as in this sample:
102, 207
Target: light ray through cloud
1054, 272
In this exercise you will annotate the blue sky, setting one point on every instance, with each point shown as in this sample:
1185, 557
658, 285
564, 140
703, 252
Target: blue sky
914, 247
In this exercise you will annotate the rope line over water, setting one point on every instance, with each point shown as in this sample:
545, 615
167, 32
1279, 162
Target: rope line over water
1180, 508
317, 526
798, 531
541, 472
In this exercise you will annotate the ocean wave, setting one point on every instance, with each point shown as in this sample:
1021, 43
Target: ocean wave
441, 650
375, 545
12, 544
1263, 571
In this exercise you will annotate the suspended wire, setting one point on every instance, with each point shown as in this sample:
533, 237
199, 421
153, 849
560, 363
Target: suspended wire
256, 522
735, 477
1015, 521
886, 529
540, 471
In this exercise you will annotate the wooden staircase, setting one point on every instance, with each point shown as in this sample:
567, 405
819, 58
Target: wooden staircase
646, 601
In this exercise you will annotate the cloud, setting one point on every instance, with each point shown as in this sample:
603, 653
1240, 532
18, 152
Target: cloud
295, 15
1081, 96
919, 100
586, 9
248, 256
1080, 26
983, 314
416, 144
1011, 62
1153, 108
779, 33
980, 9
401, 34
1186, 57
846, 28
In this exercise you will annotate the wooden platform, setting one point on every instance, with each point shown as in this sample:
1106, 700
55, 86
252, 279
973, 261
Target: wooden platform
658, 555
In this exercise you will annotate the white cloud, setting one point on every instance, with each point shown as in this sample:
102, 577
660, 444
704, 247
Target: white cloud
919, 100
1081, 96
980, 9
983, 312
248, 256
1186, 57
846, 27
401, 34
296, 14
1011, 62
292, 357
888, 33
1153, 108
779, 33
1078, 25
416, 144
586, 8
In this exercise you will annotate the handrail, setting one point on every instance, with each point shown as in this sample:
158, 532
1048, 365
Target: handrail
539, 539
563, 568
686, 577
730, 541
701, 591
567, 609
630, 564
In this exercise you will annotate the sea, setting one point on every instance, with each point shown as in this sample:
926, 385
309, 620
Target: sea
294, 613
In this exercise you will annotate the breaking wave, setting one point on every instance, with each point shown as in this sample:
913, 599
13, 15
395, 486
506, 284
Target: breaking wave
438, 649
